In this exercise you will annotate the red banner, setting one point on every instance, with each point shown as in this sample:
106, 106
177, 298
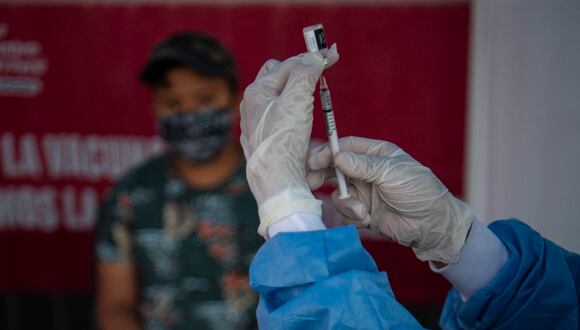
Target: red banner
73, 115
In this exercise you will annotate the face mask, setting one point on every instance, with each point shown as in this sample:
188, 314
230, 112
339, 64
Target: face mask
197, 136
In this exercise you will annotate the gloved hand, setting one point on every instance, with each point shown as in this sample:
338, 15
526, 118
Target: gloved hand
395, 195
276, 122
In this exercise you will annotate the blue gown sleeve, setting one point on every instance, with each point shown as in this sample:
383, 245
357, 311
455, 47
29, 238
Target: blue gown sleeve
323, 280
538, 287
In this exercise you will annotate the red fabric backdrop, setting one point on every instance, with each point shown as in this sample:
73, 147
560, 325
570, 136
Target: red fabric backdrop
401, 77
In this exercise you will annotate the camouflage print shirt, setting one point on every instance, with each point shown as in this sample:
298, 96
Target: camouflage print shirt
192, 248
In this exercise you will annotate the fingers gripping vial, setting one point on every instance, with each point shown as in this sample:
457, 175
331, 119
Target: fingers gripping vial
315, 41
315, 38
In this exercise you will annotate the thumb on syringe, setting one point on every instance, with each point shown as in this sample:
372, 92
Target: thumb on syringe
331, 55
358, 166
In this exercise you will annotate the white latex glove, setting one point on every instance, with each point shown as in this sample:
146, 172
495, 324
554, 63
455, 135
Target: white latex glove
276, 122
395, 195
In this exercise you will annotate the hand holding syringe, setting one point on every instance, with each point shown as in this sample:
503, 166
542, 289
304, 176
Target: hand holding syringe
315, 41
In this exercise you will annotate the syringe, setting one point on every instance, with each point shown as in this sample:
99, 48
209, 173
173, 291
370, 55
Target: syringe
316, 40
330, 123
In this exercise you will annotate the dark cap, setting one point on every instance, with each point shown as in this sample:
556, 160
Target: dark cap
193, 50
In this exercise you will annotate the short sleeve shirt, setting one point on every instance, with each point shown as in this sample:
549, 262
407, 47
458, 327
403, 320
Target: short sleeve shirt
191, 248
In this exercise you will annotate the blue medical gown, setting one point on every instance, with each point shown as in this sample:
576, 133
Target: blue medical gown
323, 280
538, 287
326, 280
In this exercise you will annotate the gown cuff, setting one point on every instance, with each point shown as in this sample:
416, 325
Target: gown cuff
296, 222
480, 260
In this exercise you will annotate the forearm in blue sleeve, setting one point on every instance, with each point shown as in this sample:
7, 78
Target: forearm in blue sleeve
323, 279
537, 287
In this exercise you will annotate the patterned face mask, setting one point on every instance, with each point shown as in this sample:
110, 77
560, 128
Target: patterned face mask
198, 136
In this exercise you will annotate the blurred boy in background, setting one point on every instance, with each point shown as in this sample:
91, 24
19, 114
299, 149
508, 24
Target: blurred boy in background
177, 234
